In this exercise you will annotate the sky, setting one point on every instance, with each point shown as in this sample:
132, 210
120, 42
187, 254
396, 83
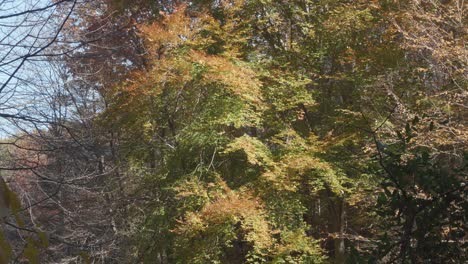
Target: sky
20, 35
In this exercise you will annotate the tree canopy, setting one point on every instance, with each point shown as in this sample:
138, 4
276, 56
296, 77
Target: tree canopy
245, 131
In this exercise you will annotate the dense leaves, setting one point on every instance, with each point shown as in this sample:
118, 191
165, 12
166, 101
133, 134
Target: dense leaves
263, 131
261, 121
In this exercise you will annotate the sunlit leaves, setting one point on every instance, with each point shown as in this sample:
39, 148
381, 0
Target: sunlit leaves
253, 114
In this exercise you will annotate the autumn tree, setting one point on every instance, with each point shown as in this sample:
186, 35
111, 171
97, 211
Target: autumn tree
250, 131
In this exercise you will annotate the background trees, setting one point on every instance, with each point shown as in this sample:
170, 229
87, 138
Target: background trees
53, 157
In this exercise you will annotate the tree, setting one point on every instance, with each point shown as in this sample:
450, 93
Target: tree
422, 202
321, 69
251, 131
54, 156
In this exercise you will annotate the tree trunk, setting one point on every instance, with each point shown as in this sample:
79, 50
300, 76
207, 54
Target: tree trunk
337, 227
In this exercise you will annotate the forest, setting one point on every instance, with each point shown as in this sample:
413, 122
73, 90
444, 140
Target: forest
233, 131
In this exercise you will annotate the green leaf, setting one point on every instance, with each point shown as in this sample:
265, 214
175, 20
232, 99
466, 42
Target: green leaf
43, 239
408, 129
31, 252
382, 199
5, 249
85, 256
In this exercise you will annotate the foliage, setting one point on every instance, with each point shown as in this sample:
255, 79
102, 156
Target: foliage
421, 202
254, 114
263, 131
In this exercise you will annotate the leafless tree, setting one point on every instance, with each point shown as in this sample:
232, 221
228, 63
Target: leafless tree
51, 154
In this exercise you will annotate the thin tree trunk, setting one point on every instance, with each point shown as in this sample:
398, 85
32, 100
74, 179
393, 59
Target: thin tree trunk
336, 210
340, 250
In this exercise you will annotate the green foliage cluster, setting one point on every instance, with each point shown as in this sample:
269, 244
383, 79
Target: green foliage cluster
265, 132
